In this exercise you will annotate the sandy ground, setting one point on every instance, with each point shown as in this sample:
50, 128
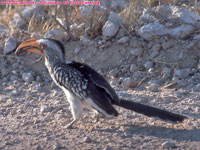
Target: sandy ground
24, 123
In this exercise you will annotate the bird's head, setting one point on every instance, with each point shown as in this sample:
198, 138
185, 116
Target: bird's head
51, 49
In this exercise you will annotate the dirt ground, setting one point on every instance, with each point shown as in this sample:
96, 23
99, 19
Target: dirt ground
36, 119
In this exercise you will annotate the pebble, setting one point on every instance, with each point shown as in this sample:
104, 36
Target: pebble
128, 82
110, 29
108, 148
10, 45
57, 146
166, 73
45, 108
133, 68
38, 147
153, 87
15, 92
4, 72
113, 72
136, 51
38, 79
168, 144
148, 64
181, 73
154, 54
87, 139
27, 77
37, 88
123, 40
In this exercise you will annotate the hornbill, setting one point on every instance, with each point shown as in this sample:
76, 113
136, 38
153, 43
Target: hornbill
83, 86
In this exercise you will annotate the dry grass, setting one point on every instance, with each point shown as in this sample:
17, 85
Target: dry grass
92, 23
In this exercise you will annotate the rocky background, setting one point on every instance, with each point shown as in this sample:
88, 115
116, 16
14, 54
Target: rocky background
147, 50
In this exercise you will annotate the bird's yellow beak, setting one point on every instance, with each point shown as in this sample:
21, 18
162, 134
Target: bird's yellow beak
29, 46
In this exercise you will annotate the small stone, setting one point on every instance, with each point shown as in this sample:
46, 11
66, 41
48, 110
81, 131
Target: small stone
156, 47
38, 147
45, 108
168, 144
4, 72
166, 73
10, 45
77, 50
154, 54
123, 40
153, 87
37, 88
133, 68
27, 77
148, 64
113, 72
87, 139
15, 92
56, 34
57, 146
38, 79
128, 82
136, 51
108, 148
181, 73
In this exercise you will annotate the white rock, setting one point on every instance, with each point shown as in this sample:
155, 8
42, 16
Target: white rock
133, 68
166, 72
123, 40
45, 108
115, 18
110, 29
181, 73
185, 15
148, 64
10, 45
27, 77
37, 88
27, 12
136, 51
128, 82
181, 31
153, 87
197, 37
151, 30
165, 10
168, 144
56, 34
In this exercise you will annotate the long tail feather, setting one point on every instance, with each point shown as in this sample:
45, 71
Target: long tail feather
151, 111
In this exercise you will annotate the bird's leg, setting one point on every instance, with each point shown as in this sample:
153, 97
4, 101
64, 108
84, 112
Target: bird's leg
76, 109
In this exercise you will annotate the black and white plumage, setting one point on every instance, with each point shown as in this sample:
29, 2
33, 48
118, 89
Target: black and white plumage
83, 86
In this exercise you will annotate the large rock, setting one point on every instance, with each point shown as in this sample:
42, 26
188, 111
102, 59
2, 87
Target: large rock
56, 34
110, 29
27, 12
152, 29
185, 15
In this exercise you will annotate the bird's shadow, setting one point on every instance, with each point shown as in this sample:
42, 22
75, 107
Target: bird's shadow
159, 132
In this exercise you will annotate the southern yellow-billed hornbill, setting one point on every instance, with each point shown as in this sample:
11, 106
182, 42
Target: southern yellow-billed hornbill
83, 86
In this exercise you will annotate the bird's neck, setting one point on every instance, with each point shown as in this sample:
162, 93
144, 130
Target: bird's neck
50, 62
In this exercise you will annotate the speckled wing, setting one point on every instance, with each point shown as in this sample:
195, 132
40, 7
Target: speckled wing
97, 79
71, 78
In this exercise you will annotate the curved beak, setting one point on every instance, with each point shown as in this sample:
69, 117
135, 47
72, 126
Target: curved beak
29, 46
